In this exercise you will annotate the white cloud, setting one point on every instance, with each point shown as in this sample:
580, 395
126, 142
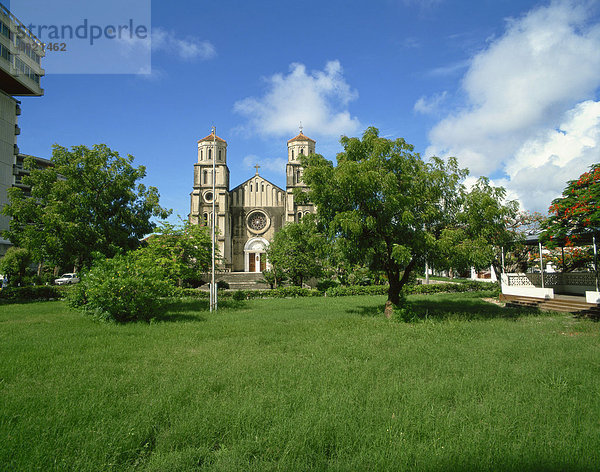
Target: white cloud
449, 69
540, 168
527, 83
427, 105
318, 99
189, 48
275, 165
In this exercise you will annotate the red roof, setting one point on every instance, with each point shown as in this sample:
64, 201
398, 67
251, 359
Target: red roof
301, 137
210, 137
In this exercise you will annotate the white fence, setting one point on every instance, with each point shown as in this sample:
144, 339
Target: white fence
561, 282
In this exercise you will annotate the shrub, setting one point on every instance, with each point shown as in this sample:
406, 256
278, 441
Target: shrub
122, 289
221, 284
14, 265
345, 291
469, 286
293, 292
31, 293
323, 285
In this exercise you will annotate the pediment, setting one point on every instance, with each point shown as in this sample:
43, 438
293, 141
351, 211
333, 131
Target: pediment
257, 179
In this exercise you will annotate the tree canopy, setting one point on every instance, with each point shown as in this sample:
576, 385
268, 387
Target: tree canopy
89, 201
577, 212
396, 209
298, 250
14, 264
182, 252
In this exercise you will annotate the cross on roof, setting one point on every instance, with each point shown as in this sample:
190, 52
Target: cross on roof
301, 127
256, 167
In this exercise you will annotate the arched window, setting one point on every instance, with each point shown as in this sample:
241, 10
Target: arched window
298, 176
302, 151
209, 154
292, 154
219, 154
299, 216
200, 154
262, 188
205, 218
251, 187
205, 177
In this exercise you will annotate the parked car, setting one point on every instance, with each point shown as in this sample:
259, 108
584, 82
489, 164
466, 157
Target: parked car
65, 279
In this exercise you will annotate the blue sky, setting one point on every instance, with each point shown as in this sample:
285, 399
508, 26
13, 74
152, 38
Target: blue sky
508, 87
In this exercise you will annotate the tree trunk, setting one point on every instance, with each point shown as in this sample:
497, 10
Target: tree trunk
396, 283
395, 287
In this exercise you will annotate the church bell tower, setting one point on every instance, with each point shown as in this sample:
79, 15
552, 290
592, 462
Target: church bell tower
297, 147
212, 148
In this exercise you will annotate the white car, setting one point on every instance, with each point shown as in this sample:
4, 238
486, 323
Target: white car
69, 278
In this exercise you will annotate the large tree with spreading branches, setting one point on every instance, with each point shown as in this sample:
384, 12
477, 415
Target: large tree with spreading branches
397, 210
89, 201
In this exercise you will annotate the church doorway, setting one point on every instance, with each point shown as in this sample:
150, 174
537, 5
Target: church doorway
255, 255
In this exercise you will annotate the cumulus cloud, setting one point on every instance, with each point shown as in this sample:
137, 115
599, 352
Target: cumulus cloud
275, 165
427, 105
189, 48
318, 99
526, 113
160, 40
540, 168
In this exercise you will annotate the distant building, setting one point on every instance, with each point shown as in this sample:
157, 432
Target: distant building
249, 215
20, 74
19, 170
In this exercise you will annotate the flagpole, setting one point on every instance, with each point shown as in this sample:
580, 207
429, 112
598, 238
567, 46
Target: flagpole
213, 288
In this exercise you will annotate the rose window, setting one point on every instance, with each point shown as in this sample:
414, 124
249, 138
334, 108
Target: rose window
257, 221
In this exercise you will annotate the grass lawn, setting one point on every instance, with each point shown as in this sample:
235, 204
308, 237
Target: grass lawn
300, 384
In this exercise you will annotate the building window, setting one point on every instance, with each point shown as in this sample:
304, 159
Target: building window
257, 221
4, 53
219, 154
4, 29
251, 187
205, 218
302, 151
292, 154
209, 154
201, 155
262, 188
205, 177
299, 216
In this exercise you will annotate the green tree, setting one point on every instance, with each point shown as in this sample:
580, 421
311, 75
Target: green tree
481, 227
88, 201
124, 288
14, 264
297, 250
392, 206
183, 252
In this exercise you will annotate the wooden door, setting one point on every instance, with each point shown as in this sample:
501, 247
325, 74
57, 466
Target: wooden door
263, 262
252, 262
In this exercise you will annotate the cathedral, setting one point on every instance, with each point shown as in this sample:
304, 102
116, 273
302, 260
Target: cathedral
250, 214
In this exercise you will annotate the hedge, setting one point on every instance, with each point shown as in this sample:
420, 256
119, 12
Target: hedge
344, 291
29, 293
53, 292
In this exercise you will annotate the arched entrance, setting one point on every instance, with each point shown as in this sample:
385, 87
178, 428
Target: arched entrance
255, 255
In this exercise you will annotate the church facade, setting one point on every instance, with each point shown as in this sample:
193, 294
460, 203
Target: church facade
248, 215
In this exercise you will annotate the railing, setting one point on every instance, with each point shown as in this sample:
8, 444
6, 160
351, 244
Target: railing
559, 280
517, 280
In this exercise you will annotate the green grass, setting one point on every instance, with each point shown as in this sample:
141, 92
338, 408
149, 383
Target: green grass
300, 384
